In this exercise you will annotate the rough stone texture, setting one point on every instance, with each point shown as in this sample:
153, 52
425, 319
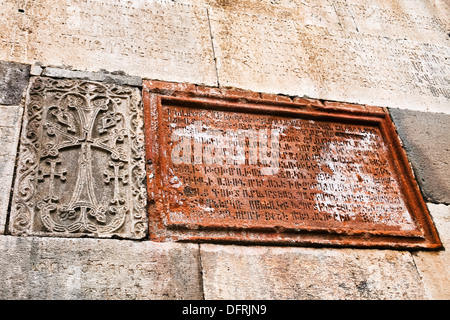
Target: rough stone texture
232, 272
160, 39
81, 168
382, 52
59, 268
385, 53
13, 80
434, 266
94, 76
426, 140
10, 122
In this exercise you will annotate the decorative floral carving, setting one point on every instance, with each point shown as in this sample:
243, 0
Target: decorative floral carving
81, 167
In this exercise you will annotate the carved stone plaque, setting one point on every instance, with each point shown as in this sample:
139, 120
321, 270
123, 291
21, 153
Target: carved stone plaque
81, 169
230, 166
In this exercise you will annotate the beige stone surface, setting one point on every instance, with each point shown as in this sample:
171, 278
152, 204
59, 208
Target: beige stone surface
60, 268
158, 39
386, 53
10, 122
425, 138
238, 272
81, 166
434, 266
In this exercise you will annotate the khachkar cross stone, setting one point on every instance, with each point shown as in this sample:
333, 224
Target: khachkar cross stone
81, 168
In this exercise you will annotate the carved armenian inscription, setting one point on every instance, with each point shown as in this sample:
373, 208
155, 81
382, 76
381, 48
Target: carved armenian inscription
256, 170
81, 165
224, 170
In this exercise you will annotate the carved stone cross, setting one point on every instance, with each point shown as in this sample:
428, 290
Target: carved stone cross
116, 176
52, 173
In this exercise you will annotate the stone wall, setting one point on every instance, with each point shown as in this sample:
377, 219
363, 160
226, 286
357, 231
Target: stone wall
392, 54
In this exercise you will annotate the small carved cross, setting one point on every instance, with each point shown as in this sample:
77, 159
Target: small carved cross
52, 174
116, 176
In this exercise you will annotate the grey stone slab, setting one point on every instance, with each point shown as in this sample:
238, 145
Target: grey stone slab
13, 81
94, 76
10, 123
81, 167
61, 268
238, 272
426, 140
433, 266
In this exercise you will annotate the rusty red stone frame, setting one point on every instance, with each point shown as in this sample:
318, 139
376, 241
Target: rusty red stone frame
373, 200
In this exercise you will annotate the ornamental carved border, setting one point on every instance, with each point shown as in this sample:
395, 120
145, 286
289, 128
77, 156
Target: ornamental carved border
81, 170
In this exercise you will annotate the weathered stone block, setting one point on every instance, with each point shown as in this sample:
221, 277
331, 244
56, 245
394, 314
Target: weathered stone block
425, 137
384, 53
434, 266
36, 69
159, 39
13, 80
59, 268
10, 122
81, 169
234, 272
